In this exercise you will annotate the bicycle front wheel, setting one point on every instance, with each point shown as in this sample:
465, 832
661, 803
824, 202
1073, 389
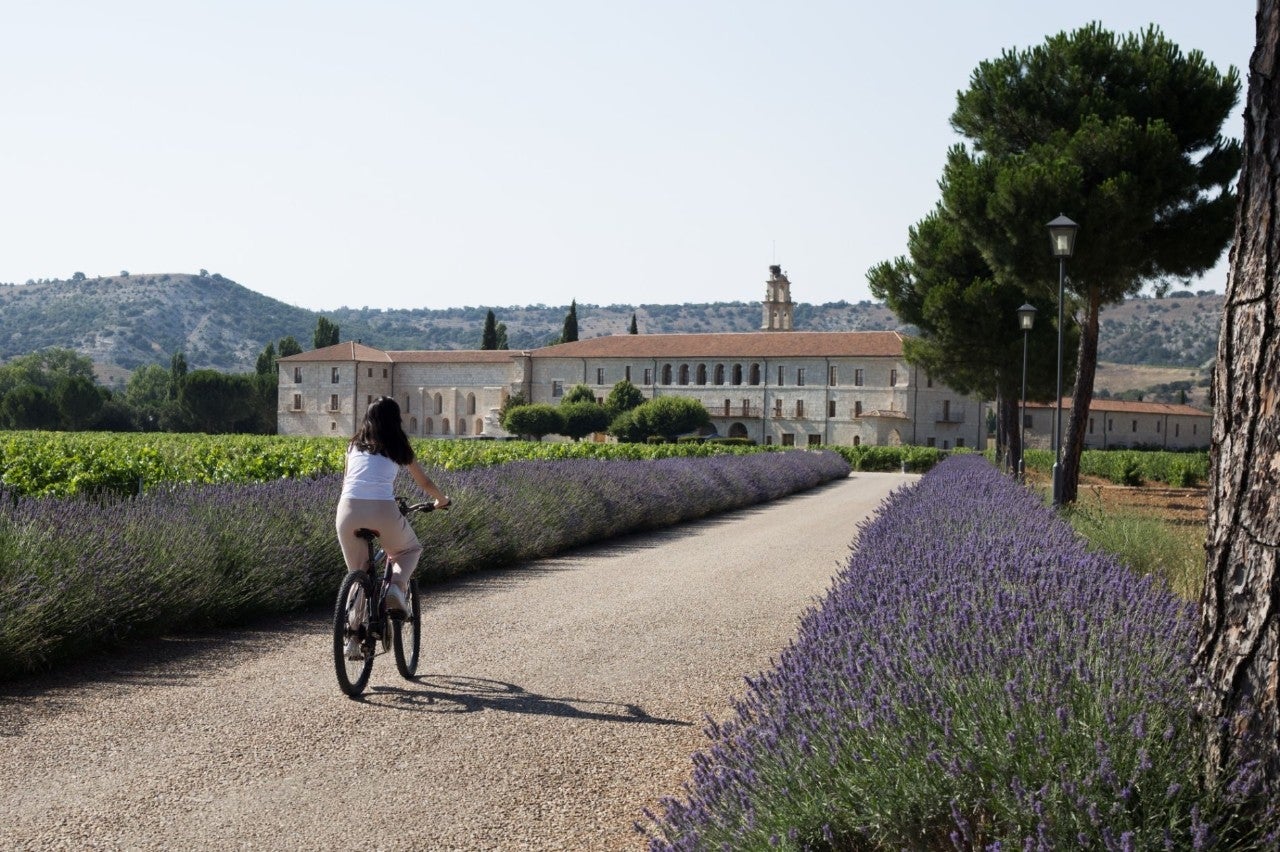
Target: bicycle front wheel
407, 633
352, 647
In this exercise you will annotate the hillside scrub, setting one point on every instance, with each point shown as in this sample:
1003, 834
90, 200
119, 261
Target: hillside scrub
974, 679
80, 573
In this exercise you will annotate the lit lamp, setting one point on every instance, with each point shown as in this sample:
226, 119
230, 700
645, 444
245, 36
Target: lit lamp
1026, 319
1062, 239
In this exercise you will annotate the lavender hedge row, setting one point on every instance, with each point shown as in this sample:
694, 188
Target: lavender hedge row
78, 573
974, 679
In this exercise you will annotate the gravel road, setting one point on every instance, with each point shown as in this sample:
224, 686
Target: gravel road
553, 702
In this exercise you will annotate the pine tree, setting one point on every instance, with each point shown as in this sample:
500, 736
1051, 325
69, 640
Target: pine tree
570, 333
489, 337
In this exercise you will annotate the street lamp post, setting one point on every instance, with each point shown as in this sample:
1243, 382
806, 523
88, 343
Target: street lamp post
1062, 237
1026, 319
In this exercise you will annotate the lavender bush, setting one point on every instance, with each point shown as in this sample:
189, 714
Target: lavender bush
974, 679
80, 573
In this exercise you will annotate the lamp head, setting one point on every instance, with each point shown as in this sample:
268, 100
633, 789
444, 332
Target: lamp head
1062, 236
1026, 317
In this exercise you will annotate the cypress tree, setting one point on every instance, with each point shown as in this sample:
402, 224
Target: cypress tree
570, 333
489, 337
634, 329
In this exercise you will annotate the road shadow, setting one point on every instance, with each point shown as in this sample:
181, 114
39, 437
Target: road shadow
441, 693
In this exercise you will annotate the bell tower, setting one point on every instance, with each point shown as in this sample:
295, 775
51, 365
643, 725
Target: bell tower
777, 301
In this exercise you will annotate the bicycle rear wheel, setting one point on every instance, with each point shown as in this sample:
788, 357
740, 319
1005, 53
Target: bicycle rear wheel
351, 622
407, 633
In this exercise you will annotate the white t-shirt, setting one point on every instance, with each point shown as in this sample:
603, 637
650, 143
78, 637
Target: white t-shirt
369, 477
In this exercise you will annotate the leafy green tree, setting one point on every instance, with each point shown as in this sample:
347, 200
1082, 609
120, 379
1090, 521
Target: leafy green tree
623, 397
43, 368
501, 337
489, 337
583, 418
288, 346
177, 375
668, 416
147, 394
633, 328
28, 407
570, 332
578, 393
534, 421
78, 401
326, 333
214, 401
967, 320
267, 361
1121, 134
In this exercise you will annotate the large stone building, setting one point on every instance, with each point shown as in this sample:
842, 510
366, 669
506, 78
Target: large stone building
776, 386
1119, 424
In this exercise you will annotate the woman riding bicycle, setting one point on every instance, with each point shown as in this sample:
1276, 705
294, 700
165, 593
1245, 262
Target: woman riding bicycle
376, 454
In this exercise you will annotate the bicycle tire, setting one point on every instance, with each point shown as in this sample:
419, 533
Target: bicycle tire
407, 633
353, 675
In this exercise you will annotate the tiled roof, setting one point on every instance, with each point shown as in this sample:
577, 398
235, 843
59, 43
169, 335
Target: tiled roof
349, 351
1125, 406
453, 356
752, 344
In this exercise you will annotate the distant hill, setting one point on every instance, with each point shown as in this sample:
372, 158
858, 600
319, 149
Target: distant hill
126, 321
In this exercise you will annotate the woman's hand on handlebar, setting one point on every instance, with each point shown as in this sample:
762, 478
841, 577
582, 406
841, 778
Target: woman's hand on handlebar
443, 502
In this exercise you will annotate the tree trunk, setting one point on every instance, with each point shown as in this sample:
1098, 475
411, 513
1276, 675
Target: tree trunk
1007, 417
1236, 662
1086, 369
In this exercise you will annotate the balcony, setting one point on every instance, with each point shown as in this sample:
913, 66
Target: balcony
734, 410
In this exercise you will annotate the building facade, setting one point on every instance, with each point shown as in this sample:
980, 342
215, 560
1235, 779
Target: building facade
789, 388
1120, 424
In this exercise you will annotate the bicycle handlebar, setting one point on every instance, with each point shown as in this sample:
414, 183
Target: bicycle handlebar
407, 508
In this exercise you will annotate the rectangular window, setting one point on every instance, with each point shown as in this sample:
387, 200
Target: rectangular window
831, 408
1194, 427
599, 375
946, 410
1157, 427
800, 376
1026, 421
1090, 425
815, 440
780, 381
1135, 425
368, 400
1111, 425
832, 376
788, 439
333, 402
959, 443
371, 372
333, 376
777, 408
857, 408
384, 372
857, 377
626, 372
648, 375
746, 408
1177, 427
297, 402
799, 408
557, 389
930, 442
297, 375
768, 440
893, 378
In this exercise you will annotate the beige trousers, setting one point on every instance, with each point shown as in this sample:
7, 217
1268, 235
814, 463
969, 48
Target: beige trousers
394, 534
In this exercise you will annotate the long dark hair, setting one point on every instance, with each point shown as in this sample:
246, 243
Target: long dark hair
381, 432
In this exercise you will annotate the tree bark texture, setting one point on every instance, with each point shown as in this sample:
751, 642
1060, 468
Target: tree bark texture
1009, 419
1078, 421
1236, 661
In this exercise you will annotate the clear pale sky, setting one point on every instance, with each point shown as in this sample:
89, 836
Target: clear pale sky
433, 154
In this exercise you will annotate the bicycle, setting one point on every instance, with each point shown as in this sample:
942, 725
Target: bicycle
361, 613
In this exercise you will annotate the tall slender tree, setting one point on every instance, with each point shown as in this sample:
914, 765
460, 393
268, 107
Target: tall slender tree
489, 337
326, 333
570, 332
1121, 134
633, 328
501, 336
1239, 650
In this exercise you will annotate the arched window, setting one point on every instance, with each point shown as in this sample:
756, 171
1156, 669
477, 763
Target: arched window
439, 400
462, 426
857, 440
666, 374
471, 403
413, 425
701, 374
719, 374
737, 374
429, 426
684, 374
479, 426
737, 430
755, 374
444, 426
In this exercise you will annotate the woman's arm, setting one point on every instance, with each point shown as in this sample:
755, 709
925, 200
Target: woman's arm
424, 482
